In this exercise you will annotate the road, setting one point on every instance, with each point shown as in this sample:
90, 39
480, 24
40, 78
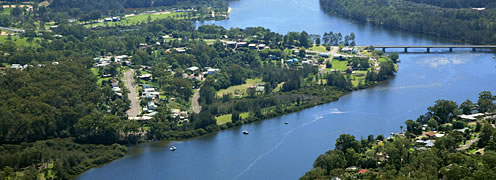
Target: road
334, 50
466, 146
133, 97
195, 104
11, 29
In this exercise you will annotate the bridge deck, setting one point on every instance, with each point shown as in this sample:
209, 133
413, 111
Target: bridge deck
437, 46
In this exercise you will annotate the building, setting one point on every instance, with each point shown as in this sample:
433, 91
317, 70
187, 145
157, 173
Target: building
252, 46
193, 68
325, 55
211, 71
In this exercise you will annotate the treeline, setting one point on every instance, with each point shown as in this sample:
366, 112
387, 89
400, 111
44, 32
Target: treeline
459, 3
54, 158
399, 156
459, 24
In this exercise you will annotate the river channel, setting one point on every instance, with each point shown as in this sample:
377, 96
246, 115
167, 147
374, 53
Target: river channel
273, 150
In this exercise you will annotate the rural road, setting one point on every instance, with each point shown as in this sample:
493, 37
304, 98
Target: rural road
334, 50
466, 146
195, 104
133, 97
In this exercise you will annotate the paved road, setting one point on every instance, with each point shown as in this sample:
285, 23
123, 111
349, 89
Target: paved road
195, 104
11, 29
133, 97
466, 146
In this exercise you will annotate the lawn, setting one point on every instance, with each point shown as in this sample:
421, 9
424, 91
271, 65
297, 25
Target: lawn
20, 41
6, 11
339, 65
239, 90
227, 118
140, 18
319, 48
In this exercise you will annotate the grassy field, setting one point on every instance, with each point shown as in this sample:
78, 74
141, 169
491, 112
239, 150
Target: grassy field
227, 118
339, 65
319, 48
6, 11
20, 41
95, 72
140, 18
239, 90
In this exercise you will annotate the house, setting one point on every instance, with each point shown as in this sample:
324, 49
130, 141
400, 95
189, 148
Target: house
349, 70
471, 117
260, 88
211, 71
347, 49
115, 84
193, 68
15, 66
363, 171
261, 46
107, 20
116, 89
325, 55
145, 77
242, 44
339, 57
292, 61
151, 106
307, 62
252, 46
149, 90
430, 133
180, 50
116, 19
231, 44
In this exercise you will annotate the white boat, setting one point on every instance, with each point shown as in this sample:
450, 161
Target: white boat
245, 132
173, 148
286, 123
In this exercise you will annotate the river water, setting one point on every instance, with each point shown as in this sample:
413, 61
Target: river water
274, 150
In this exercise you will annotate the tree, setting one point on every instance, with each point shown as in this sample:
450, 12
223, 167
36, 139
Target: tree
235, 117
485, 102
467, 107
444, 109
394, 56
346, 141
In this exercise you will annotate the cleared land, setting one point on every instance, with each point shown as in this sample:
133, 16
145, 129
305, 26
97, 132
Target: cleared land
240, 90
228, 118
141, 18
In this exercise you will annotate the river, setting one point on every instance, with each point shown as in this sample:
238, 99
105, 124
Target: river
274, 150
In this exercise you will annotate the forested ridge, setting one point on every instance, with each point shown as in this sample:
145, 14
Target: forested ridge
430, 17
439, 144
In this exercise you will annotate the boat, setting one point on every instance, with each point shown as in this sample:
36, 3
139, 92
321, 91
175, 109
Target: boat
286, 123
494, 56
173, 148
245, 132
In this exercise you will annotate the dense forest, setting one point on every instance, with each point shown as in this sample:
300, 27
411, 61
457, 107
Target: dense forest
60, 116
405, 156
430, 17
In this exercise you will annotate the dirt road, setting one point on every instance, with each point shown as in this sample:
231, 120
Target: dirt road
133, 97
195, 104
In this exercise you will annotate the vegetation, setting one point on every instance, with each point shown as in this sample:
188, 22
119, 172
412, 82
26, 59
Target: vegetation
405, 155
448, 19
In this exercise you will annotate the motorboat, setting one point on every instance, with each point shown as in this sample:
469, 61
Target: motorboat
245, 132
286, 123
173, 148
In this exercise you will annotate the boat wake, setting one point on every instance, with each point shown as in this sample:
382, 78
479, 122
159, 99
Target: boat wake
276, 146
336, 111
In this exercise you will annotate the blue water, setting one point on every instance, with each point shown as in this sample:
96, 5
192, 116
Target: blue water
274, 150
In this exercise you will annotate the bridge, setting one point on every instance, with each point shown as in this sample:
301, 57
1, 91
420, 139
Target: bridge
428, 47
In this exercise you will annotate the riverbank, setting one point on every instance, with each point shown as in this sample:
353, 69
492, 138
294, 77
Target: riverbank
436, 138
